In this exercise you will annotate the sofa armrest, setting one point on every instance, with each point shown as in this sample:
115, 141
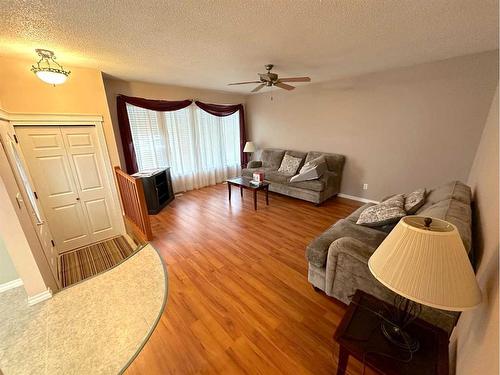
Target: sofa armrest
332, 182
254, 164
350, 254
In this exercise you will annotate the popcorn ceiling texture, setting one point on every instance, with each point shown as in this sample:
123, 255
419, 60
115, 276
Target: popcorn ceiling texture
211, 43
94, 327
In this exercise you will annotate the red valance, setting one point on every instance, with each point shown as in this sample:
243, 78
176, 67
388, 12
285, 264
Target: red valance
223, 110
219, 110
124, 124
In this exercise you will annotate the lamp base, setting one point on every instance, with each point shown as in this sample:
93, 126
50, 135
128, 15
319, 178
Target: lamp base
399, 337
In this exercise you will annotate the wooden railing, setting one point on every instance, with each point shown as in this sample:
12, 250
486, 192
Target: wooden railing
134, 204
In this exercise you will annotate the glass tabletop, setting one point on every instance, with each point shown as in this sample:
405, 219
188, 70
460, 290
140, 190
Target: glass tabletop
247, 182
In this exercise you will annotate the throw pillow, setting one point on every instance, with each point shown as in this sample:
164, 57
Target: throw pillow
312, 173
414, 201
387, 212
313, 163
289, 165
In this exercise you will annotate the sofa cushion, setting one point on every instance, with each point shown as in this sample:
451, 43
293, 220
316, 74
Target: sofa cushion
254, 164
414, 200
455, 212
317, 250
452, 190
271, 158
314, 185
384, 213
289, 165
275, 176
248, 172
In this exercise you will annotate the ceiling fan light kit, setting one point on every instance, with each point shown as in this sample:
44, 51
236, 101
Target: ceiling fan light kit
48, 69
270, 79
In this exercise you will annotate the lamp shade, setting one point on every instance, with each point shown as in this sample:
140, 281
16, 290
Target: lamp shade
249, 147
427, 264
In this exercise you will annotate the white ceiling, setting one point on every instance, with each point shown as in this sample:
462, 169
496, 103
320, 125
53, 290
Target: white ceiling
208, 44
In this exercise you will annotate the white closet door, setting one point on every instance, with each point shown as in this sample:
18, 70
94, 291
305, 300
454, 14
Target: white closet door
87, 163
67, 168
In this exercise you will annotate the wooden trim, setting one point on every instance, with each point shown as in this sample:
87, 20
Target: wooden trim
134, 204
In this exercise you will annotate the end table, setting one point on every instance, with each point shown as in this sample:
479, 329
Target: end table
359, 335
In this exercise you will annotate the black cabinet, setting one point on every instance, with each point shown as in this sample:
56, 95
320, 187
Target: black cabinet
157, 189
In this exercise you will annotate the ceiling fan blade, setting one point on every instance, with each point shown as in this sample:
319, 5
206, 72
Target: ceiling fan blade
284, 86
258, 87
242, 83
295, 79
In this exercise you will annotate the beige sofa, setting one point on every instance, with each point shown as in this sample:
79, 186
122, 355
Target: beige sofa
316, 191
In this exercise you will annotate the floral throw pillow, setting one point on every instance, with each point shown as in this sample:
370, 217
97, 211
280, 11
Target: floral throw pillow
387, 212
414, 201
289, 165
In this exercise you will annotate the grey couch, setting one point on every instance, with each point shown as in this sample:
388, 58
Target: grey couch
315, 191
338, 258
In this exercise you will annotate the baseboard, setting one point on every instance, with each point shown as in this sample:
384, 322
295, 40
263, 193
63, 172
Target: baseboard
37, 298
354, 198
10, 285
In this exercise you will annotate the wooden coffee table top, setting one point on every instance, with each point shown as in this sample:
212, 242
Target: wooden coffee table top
245, 182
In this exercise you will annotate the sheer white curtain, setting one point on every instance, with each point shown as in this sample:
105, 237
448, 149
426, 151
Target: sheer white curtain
201, 149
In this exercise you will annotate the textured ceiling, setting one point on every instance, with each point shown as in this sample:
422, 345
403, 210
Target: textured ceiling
208, 44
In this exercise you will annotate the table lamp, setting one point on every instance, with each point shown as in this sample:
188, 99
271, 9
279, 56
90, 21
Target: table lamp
249, 147
424, 261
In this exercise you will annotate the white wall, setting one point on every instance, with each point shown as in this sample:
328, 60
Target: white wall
476, 335
400, 129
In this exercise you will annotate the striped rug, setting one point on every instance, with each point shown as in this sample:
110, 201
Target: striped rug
88, 261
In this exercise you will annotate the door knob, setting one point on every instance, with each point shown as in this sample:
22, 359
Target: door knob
77, 198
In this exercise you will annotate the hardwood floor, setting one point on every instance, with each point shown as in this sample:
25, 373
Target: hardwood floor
239, 300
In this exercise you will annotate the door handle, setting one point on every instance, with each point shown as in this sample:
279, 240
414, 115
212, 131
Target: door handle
40, 223
77, 198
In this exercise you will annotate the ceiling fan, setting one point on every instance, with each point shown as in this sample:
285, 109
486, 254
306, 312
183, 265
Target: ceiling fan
271, 79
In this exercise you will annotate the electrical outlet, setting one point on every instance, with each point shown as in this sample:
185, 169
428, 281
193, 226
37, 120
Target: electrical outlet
365, 186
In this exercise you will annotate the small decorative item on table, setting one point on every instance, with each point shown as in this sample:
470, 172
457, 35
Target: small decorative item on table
258, 177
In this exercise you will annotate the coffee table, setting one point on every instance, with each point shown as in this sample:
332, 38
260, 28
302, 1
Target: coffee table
244, 183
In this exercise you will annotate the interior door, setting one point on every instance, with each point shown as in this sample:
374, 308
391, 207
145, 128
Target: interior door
28, 199
67, 167
87, 163
43, 148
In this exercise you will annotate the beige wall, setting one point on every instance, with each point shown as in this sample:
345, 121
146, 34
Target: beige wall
22, 92
17, 246
7, 270
83, 93
116, 87
476, 336
401, 129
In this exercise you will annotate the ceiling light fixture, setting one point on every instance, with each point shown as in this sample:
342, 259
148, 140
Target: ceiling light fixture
52, 74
